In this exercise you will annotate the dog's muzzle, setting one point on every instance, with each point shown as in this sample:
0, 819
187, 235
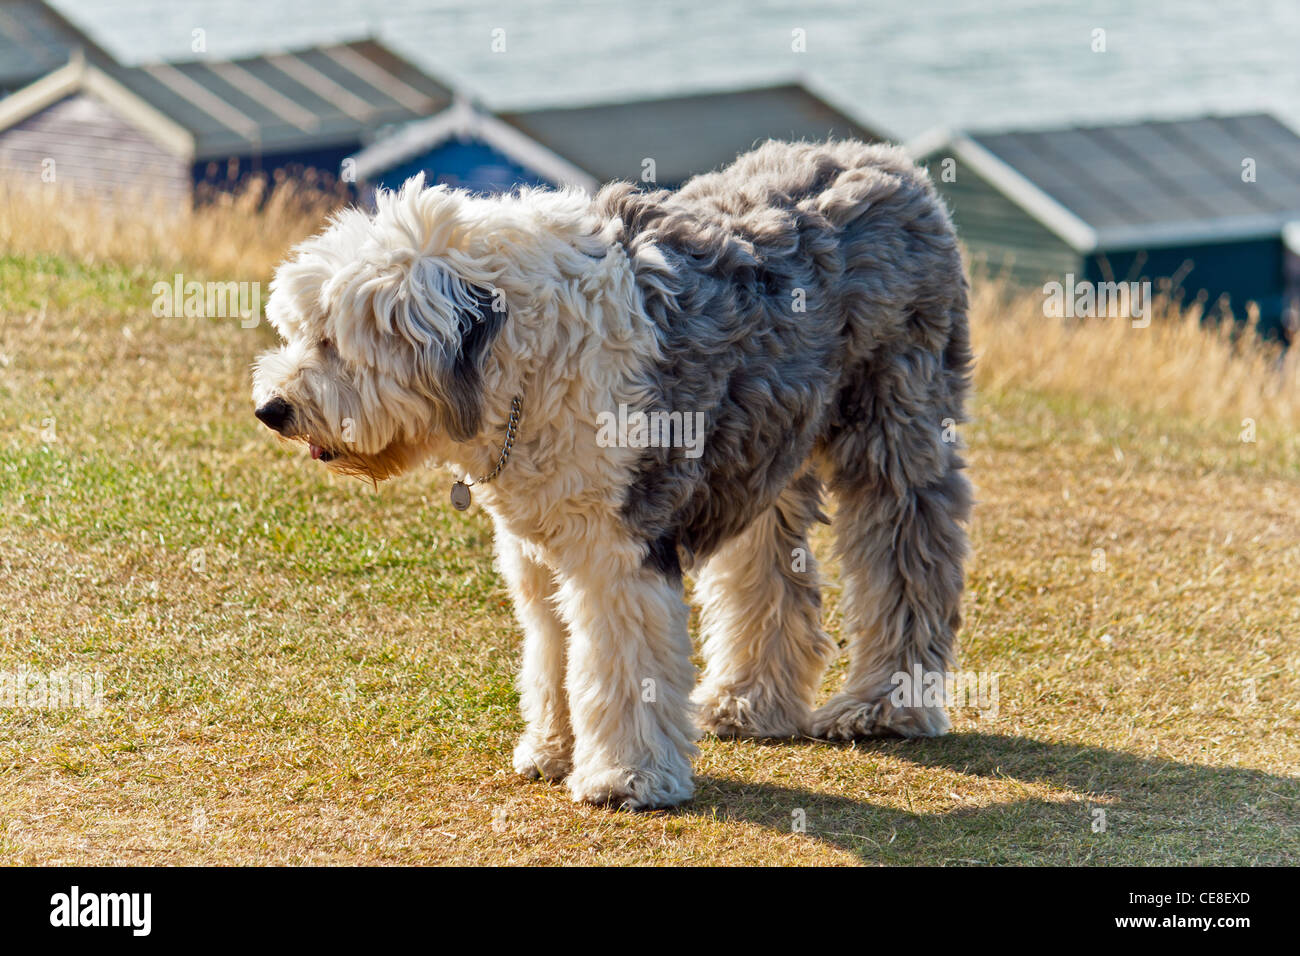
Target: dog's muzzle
275, 414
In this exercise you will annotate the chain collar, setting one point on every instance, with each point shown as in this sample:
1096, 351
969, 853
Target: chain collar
460, 495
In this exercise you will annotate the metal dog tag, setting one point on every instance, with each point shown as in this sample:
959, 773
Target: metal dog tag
460, 496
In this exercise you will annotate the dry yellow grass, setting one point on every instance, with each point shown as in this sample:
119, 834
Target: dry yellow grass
1176, 366
297, 669
237, 236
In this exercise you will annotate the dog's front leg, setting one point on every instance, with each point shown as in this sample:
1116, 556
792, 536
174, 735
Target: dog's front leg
545, 749
629, 681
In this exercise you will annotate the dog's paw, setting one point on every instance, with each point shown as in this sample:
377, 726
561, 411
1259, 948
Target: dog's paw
536, 761
847, 718
631, 788
740, 714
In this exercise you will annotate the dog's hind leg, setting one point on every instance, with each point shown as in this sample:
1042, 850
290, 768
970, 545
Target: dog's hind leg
902, 501
546, 747
764, 648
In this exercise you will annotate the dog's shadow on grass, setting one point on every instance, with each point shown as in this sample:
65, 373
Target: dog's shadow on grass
1152, 810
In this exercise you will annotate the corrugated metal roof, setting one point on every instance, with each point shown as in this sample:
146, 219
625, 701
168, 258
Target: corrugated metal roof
1165, 181
685, 135
36, 39
311, 98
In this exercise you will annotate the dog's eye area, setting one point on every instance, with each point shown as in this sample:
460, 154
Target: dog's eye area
326, 345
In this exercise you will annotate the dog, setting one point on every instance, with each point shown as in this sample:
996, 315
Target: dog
806, 306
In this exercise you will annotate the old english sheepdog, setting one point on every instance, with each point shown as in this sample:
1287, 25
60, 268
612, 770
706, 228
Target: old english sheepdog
802, 312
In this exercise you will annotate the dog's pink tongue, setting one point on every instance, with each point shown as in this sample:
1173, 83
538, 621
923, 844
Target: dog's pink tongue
316, 452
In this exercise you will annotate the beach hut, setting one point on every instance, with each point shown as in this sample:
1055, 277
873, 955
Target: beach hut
654, 142
35, 39
164, 127
1205, 206
467, 148
666, 140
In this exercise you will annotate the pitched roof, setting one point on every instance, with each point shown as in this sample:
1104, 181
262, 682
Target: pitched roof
282, 101
1136, 184
463, 121
36, 39
684, 135
303, 99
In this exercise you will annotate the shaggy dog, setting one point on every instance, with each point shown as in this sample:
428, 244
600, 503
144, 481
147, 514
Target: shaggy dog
806, 306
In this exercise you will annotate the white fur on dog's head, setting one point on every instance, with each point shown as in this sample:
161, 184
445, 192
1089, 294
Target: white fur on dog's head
387, 322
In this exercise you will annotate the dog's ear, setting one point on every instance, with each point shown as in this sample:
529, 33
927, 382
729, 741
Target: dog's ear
450, 325
464, 380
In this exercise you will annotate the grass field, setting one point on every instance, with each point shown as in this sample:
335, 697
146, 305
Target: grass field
303, 669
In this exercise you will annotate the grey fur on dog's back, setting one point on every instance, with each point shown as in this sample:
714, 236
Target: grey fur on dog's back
867, 373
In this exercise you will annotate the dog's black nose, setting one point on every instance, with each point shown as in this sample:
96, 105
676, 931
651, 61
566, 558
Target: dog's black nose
275, 413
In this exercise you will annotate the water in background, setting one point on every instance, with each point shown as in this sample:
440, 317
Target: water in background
900, 65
